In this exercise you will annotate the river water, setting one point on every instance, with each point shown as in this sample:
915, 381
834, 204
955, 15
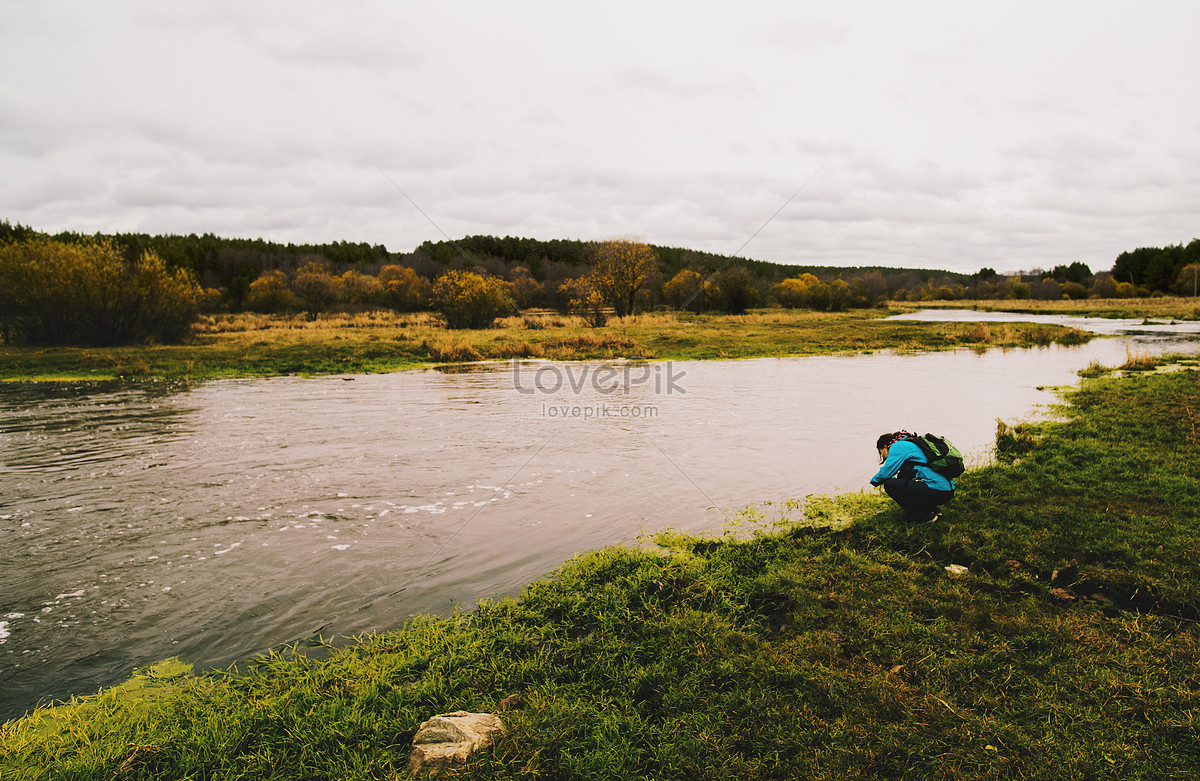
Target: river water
215, 521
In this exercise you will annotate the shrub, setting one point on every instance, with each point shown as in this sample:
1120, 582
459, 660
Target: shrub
316, 289
830, 296
360, 290
403, 289
270, 294
685, 290
790, 293
587, 300
468, 300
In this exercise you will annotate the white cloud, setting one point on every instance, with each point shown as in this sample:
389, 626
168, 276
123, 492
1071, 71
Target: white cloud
926, 133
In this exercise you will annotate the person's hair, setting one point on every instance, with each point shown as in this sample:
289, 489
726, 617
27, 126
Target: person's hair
885, 440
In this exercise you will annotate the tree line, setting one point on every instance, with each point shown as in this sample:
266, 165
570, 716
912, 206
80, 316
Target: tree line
74, 288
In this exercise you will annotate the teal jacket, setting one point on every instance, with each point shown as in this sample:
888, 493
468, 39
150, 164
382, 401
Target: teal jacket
904, 451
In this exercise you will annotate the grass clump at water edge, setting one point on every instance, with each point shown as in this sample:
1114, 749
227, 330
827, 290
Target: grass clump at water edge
1068, 648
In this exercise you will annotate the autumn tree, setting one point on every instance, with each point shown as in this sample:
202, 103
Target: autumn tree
210, 300
686, 290
586, 300
623, 269
1187, 283
791, 292
868, 289
270, 293
91, 292
315, 288
737, 289
833, 296
14, 288
360, 290
468, 300
526, 290
403, 289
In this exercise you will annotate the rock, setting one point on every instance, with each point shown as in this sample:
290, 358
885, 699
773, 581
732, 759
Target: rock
957, 570
448, 740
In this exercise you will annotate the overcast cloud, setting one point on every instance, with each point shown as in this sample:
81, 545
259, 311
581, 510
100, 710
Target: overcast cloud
923, 134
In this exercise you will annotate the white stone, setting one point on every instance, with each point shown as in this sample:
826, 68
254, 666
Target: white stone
449, 739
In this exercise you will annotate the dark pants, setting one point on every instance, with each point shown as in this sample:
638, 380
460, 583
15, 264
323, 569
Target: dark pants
919, 501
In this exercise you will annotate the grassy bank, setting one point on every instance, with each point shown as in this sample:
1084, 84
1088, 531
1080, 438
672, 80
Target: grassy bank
832, 644
259, 345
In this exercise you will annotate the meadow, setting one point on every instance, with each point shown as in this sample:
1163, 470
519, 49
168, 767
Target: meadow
1044, 628
1160, 308
251, 345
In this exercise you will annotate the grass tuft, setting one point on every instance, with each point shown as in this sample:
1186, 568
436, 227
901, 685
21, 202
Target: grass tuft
1139, 361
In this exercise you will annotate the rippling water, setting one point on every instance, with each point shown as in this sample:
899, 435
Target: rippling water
215, 521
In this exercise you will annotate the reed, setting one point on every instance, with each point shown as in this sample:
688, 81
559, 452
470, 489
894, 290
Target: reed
1139, 361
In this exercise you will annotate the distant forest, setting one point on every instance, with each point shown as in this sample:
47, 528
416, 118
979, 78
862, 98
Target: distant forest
541, 271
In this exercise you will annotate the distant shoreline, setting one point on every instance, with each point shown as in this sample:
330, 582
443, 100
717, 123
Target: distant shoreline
249, 345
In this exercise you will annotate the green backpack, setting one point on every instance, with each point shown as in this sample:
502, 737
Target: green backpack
944, 458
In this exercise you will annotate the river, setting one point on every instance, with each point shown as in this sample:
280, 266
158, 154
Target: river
214, 521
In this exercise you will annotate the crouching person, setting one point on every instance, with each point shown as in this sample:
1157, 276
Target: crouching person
907, 477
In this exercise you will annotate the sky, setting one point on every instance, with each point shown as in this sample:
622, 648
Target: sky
950, 135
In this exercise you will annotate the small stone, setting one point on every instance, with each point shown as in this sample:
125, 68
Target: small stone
957, 570
448, 740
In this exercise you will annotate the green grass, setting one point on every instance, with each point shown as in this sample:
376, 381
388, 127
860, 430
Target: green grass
831, 643
258, 346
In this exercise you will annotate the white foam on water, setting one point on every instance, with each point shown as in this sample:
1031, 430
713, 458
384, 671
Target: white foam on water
339, 547
78, 593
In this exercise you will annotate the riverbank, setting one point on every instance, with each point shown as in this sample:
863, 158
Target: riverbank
832, 643
250, 345
1162, 308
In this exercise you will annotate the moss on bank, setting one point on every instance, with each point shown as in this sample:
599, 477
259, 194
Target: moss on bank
807, 650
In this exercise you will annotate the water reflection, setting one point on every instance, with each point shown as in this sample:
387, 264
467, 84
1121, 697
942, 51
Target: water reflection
220, 520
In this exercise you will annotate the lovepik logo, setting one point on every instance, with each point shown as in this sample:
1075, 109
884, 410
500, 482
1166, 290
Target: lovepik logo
608, 379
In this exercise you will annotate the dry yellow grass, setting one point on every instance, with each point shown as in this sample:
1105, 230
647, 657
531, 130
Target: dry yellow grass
1163, 307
